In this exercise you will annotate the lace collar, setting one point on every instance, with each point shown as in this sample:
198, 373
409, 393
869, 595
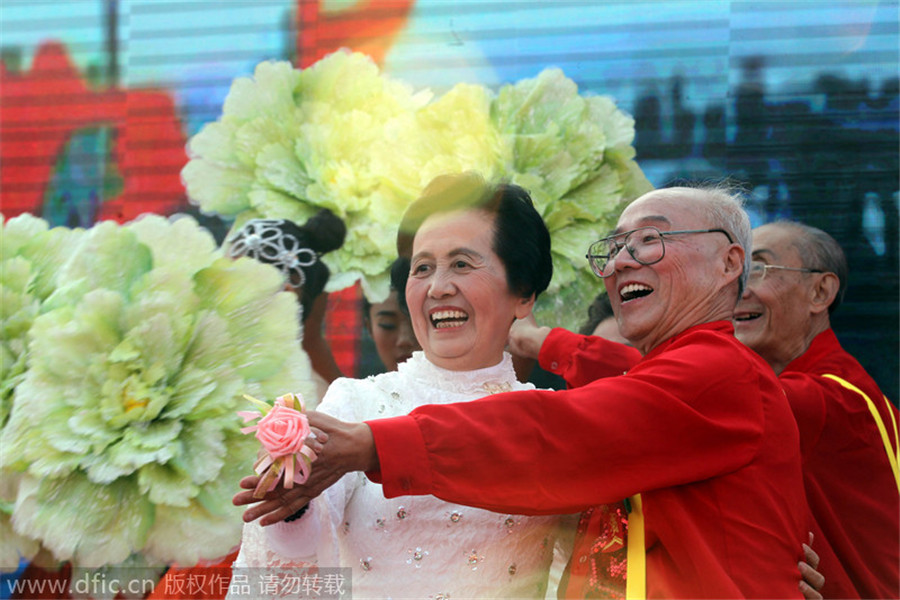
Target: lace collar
499, 378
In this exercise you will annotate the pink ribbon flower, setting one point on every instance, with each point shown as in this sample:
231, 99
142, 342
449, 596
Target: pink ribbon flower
282, 431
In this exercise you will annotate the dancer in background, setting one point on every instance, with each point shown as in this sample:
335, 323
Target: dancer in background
389, 325
296, 250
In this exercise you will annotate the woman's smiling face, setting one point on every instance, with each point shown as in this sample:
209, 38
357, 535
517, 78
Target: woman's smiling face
459, 300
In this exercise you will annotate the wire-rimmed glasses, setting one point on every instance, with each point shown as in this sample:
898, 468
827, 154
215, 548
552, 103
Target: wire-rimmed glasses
759, 269
644, 244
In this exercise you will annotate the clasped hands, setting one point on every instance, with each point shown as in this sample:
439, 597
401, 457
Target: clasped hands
340, 447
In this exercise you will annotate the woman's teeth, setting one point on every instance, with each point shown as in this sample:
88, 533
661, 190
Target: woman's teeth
448, 318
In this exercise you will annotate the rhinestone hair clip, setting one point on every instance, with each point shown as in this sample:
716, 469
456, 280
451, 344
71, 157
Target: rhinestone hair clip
264, 240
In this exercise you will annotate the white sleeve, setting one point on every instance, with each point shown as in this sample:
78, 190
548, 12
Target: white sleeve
313, 537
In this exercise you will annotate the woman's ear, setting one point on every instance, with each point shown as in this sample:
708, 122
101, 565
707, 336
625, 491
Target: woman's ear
524, 306
823, 292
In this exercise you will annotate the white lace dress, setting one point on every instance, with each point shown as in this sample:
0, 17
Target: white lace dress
411, 546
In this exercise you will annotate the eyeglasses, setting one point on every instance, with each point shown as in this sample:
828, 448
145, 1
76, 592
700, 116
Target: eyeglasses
758, 270
645, 245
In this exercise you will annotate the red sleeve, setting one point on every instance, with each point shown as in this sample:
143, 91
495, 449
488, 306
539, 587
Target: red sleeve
688, 415
581, 359
394, 438
809, 402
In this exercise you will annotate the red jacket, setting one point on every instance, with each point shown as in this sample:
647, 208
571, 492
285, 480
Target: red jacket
582, 359
860, 555
849, 483
699, 427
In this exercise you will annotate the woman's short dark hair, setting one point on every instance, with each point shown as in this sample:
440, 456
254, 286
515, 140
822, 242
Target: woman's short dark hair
521, 239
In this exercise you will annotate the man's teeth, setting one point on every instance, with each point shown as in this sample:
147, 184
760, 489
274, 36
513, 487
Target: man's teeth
448, 318
747, 317
634, 290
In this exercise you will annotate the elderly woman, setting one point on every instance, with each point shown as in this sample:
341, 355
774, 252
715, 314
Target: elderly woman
479, 254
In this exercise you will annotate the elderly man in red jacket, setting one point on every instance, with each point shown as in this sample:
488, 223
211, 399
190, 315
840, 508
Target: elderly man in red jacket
848, 428
697, 436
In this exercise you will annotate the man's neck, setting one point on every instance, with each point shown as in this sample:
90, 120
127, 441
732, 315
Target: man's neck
818, 324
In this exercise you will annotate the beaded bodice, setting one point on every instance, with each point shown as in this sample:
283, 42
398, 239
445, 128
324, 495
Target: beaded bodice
420, 546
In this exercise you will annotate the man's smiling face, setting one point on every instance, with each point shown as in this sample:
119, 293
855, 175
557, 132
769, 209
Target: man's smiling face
655, 302
773, 316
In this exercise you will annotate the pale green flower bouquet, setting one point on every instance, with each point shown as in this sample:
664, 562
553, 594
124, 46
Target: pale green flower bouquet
341, 135
130, 347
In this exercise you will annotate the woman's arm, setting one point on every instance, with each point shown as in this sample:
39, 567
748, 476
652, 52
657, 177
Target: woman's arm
314, 343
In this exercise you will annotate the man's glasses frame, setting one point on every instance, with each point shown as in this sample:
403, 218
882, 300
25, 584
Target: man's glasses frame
758, 270
599, 260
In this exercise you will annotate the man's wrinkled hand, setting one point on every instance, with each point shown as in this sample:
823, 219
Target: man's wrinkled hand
526, 337
813, 581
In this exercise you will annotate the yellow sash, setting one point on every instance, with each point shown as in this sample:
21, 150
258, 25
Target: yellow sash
636, 575
893, 451
636, 581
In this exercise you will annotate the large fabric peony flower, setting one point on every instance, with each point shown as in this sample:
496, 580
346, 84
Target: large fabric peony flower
574, 154
342, 135
30, 257
122, 429
290, 142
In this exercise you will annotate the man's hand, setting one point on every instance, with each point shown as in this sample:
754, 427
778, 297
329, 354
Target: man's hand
526, 337
811, 585
340, 448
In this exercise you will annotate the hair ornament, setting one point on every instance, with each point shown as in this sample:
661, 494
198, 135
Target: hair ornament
266, 241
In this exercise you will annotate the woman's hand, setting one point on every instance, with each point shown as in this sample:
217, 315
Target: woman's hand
812, 582
340, 448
